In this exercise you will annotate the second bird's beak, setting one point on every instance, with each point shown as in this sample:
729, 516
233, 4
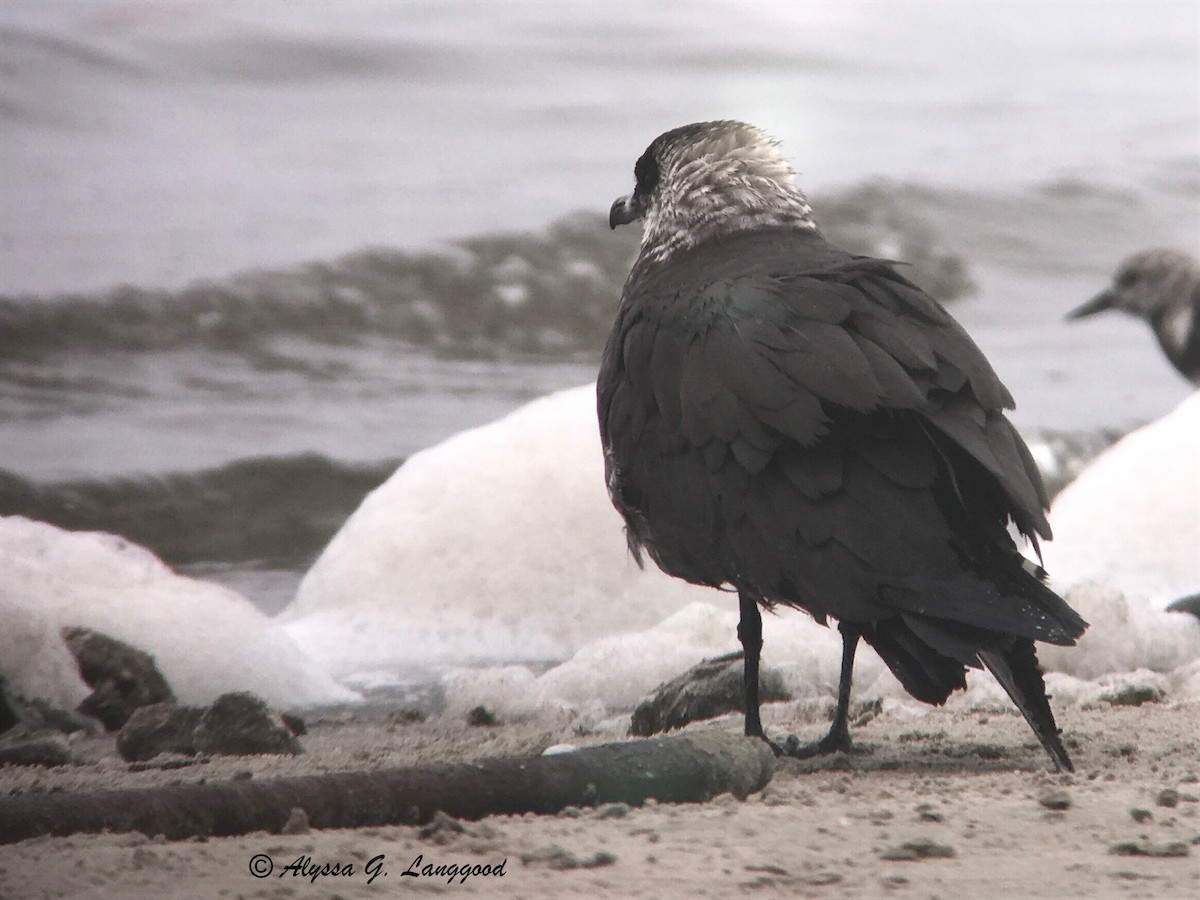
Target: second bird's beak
623, 211
1099, 303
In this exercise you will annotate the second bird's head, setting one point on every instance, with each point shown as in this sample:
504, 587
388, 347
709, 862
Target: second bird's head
702, 180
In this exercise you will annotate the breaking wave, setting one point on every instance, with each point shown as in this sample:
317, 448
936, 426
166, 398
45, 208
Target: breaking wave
275, 510
551, 294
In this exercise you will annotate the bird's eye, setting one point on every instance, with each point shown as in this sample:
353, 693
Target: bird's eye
1128, 278
646, 173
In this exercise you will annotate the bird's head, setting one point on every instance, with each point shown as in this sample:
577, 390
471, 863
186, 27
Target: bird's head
706, 179
1149, 284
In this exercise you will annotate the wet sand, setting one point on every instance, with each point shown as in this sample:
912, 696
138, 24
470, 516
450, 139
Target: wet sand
949, 804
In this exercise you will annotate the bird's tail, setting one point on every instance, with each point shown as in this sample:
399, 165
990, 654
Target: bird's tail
929, 675
930, 658
1018, 672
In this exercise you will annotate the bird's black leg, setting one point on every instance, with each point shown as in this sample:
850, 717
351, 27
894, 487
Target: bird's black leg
750, 634
838, 737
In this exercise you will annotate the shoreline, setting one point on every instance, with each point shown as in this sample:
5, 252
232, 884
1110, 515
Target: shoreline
951, 803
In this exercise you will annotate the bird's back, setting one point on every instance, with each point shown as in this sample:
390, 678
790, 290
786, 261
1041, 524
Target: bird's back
811, 428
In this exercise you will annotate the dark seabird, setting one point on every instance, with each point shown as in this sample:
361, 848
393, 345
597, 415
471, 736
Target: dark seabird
808, 428
1161, 286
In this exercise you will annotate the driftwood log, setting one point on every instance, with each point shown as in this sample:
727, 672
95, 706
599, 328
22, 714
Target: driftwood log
680, 768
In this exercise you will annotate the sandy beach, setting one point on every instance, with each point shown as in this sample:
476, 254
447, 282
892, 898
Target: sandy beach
949, 804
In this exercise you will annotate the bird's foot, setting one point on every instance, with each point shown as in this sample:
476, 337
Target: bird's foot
834, 742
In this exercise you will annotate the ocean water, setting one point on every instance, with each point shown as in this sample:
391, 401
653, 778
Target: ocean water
255, 255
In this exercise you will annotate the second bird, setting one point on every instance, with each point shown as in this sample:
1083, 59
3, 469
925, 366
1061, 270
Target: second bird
1161, 286
809, 429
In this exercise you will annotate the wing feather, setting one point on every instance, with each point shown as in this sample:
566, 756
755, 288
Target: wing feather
806, 417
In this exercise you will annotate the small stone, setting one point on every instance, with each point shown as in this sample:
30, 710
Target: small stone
37, 714
821, 879
1134, 695
1150, 848
1141, 815
159, 728
123, 678
481, 716
557, 858
1055, 800
921, 848
768, 869
1168, 797
239, 724
598, 859
297, 822
926, 813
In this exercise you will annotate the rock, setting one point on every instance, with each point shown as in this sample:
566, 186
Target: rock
922, 848
821, 879
38, 715
768, 869
557, 858
241, 724
1150, 848
711, 688
122, 677
1055, 800
48, 751
1134, 695
482, 716
161, 728
1168, 797
926, 813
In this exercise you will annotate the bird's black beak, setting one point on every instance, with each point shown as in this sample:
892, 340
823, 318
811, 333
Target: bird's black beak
623, 211
1099, 303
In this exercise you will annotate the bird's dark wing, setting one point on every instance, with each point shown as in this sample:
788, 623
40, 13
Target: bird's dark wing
812, 427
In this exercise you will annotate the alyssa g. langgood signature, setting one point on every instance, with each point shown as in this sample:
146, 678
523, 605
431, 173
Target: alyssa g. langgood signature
263, 866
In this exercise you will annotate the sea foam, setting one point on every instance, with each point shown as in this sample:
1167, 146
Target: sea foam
498, 551
497, 545
1131, 520
1127, 543
205, 639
